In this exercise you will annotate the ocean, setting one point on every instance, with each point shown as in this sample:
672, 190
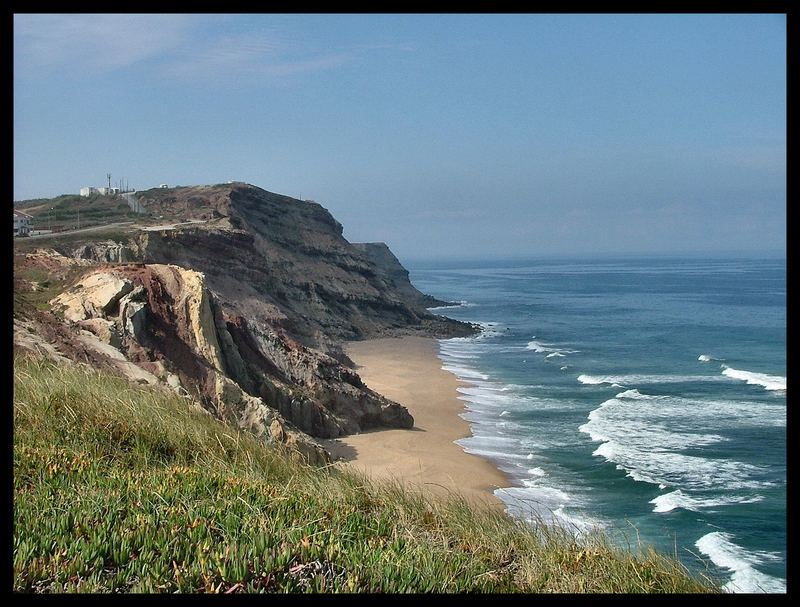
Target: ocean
643, 396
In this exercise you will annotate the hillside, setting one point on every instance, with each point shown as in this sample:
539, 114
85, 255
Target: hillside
119, 488
70, 212
275, 259
237, 300
172, 377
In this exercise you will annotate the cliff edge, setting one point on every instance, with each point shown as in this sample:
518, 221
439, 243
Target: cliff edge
236, 298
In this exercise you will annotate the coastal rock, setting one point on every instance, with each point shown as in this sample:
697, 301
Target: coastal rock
105, 330
240, 300
133, 313
245, 372
96, 294
283, 262
107, 251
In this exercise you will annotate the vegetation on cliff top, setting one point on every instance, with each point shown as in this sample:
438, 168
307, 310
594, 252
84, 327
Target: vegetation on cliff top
118, 488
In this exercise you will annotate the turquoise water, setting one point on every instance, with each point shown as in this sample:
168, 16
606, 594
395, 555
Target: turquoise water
645, 396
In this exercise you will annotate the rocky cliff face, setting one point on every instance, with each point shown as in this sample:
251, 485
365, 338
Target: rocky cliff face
285, 262
241, 311
166, 321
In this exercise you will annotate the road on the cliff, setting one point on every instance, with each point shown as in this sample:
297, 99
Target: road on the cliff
91, 229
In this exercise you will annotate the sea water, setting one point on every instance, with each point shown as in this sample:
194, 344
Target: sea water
643, 396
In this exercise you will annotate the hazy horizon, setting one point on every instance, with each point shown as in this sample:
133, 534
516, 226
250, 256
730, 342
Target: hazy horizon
445, 136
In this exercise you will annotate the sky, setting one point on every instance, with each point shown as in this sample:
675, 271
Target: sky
445, 136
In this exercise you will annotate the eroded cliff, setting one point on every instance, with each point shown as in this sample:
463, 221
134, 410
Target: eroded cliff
239, 300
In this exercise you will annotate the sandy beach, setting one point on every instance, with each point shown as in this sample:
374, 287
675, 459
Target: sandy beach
408, 370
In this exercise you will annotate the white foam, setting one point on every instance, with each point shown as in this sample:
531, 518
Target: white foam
647, 436
591, 380
623, 380
463, 372
537, 471
564, 368
634, 394
536, 503
460, 304
555, 355
768, 382
537, 346
705, 358
504, 413
552, 350
678, 499
724, 553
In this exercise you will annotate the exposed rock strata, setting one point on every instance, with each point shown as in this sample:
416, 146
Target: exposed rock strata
166, 320
243, 312
285, 262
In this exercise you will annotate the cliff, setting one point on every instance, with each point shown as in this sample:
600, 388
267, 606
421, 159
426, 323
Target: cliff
284, 262
237, 299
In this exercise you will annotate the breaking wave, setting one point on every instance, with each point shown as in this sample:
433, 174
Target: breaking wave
768, 382
745, 577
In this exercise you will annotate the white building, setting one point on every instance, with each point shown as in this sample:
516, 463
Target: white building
22, 223
104, 191
163, 185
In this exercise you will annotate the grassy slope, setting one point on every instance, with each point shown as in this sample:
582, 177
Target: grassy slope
119, 488
69, 210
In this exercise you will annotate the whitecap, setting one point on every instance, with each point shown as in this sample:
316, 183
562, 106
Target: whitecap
460, 304
464, 372
647, 436
623, 380
591, 380
552, 350
768, 382
724, 553
678, 499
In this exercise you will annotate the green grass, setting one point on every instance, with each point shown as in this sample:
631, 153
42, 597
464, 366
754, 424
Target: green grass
119, 488
71, 211
67, 242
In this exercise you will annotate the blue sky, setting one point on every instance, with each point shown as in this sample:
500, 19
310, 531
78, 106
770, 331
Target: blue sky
443, 135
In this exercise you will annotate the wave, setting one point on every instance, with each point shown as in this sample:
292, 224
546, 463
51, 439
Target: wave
538, 503
678, 499
488, 404
459, 304
768, 382
647, 437
724, 553
464, 372
707, 358
645, 379
551, 349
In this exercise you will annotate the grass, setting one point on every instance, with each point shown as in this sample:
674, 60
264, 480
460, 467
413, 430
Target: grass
68, 241
71, 211
118, 488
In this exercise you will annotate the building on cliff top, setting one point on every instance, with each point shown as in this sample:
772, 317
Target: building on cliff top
22, 223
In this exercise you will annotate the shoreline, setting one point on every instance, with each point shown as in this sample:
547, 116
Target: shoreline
409, 371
